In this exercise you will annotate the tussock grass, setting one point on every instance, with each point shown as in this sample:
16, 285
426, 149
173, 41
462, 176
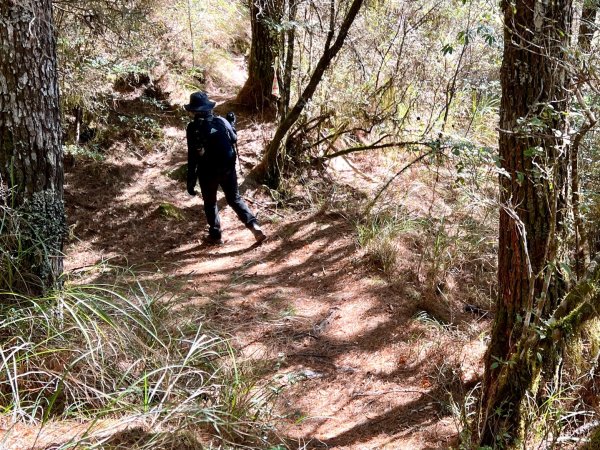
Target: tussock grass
378, 235
90, 352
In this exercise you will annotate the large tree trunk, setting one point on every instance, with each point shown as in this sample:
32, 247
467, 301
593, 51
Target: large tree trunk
265, 16
31, 171
534, 94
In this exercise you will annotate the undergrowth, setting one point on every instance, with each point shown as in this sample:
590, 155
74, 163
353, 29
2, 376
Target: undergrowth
90, 352
116, 350
378, 235
95, 351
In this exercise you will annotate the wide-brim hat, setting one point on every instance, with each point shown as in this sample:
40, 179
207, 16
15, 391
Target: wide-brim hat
199, 102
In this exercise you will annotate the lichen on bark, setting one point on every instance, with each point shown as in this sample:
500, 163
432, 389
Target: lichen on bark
32, 238
45, 212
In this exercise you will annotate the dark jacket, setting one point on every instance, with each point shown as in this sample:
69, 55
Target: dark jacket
210, 142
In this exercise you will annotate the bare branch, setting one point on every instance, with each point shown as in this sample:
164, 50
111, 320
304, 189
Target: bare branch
376, 146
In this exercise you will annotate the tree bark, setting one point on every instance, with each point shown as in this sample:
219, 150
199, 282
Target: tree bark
289, 59
31, 170
533, 193
587, 25
265, 18
267, 171
586, 30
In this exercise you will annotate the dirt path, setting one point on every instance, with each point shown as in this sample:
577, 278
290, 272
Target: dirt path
358, 369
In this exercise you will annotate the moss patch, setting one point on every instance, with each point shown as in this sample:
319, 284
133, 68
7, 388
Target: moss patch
170, 211
179, 174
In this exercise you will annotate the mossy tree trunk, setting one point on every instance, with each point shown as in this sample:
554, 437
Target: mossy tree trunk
534, 187
265, 48
31, 170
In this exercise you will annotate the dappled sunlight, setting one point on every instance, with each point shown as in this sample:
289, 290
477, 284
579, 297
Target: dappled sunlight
342, 343
417, 263
357, 352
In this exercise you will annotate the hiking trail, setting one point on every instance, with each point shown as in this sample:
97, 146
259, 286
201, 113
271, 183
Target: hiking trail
357, 370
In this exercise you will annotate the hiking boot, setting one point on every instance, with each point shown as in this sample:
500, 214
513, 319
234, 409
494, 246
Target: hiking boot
257, 231
212, 240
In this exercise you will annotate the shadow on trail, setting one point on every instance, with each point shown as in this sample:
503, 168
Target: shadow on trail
198, 250
252, 295
307, 259
252, 289
98, 194
422, 411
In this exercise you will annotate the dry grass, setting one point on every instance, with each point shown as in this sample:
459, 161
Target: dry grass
94, 352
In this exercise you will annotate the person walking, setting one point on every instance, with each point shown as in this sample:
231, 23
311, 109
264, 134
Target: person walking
211, 161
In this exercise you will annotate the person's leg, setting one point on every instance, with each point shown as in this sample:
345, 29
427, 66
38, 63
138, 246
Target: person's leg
208, 187
229, 184
228, 181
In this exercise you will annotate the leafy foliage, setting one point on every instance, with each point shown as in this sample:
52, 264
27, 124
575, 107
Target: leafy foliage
405, 88
96, 46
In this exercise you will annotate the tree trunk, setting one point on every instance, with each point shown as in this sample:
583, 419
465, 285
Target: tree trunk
533, 193
31, 170
289, 59
586, 30
265, 17
267, 171
587, 26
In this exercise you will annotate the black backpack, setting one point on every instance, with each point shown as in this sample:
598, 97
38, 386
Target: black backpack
216, 138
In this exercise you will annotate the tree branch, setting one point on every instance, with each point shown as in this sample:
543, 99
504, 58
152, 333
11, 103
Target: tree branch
268, 163
375, 146
400, 172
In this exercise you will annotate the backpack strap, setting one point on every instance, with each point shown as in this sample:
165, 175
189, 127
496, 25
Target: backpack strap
230, 131
200, 136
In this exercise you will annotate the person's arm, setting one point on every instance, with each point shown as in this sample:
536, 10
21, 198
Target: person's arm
192, 146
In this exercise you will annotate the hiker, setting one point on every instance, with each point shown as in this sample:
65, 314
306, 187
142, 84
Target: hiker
211, 160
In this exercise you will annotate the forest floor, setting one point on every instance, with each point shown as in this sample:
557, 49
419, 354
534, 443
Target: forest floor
360, 362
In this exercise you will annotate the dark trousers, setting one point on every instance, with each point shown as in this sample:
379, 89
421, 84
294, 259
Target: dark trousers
209, 184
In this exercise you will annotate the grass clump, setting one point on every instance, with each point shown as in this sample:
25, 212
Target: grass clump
378, 235
92, 352
90, 153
